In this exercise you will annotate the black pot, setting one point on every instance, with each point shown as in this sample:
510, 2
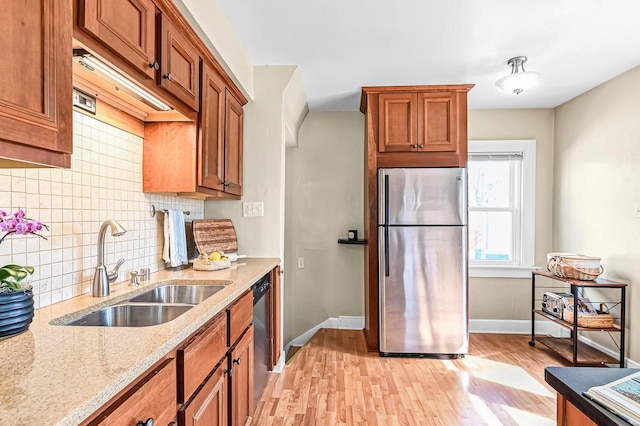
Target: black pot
16, 312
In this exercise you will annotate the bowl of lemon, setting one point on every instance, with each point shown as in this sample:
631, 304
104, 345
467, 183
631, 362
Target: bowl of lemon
211, 262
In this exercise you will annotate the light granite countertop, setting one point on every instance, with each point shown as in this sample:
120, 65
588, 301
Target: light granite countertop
59, 375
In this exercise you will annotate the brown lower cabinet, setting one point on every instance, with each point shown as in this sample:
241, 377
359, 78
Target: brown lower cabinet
225, 396
569, 415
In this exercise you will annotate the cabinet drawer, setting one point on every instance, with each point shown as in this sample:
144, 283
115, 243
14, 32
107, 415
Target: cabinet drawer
152, 397
198, 356
240, 316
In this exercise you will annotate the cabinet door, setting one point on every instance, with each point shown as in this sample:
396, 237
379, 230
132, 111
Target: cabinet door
209, 407
127, 27
437, 122
397, 122
153, 397
35, 89
275, 319
242, 379
179, 64
211, 130
233, 145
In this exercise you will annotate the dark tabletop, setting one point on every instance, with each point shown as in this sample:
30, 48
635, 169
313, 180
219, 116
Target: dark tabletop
570, 382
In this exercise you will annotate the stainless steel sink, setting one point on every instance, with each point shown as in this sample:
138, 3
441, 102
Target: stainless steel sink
131, 316
181, 293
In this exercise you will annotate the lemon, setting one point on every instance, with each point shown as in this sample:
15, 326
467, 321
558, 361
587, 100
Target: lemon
215, 255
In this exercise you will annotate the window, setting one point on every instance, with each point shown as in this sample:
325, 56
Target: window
501, 208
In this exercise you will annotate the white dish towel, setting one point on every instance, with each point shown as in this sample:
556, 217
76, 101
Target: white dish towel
175, 239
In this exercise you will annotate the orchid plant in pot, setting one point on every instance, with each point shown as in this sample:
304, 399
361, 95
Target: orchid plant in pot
16, 297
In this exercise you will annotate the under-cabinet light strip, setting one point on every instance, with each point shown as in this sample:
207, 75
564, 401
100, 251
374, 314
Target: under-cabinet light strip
119, 78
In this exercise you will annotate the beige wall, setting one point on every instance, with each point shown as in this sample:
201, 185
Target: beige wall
597, 184
510, 298
326, 171
324, 187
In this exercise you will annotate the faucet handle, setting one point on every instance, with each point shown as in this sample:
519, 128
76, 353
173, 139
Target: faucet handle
113, 275
134, 276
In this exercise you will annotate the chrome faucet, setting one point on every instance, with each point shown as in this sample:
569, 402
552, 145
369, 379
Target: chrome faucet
101, 279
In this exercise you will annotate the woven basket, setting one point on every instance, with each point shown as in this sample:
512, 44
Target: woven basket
599, 320
574, 266
588, 317
202, 263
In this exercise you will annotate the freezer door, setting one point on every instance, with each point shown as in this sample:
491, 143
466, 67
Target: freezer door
426, 196
423, 290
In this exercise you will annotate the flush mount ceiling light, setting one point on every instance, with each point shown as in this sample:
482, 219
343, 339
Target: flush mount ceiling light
120, 81
519, 80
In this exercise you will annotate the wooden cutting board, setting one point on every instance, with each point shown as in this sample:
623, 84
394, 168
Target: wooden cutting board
215, 235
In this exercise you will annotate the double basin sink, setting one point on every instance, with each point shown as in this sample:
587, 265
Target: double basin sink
156, 306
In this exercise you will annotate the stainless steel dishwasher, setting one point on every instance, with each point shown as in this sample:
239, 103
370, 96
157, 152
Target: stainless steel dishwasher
261, 338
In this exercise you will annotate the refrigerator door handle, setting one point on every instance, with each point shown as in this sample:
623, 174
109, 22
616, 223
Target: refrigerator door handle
386, 225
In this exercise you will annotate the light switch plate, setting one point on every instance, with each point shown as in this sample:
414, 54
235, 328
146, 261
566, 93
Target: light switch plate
252, 208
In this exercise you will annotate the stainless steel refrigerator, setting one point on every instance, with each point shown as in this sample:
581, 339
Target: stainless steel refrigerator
422, 249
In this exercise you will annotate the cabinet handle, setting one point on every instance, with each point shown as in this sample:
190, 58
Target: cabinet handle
415, 145
421, 145
237, 361
172, 424
149, 422
167, 76
227, 371
155, 65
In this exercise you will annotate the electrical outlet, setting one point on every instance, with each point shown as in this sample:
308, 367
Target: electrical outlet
301, 263
252, 208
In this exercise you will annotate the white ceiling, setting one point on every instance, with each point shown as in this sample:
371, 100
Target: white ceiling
341, 45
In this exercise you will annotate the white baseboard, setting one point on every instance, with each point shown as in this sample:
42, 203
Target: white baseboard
475, 326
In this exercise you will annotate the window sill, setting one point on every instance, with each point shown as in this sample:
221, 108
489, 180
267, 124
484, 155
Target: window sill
488, 271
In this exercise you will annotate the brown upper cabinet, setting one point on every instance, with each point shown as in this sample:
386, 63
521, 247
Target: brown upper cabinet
418, 125
179, 64
233, 145
35, 89
142, 39
171, 150
126, 27
219, 136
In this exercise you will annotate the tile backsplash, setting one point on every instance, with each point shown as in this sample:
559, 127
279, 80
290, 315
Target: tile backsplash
104, 182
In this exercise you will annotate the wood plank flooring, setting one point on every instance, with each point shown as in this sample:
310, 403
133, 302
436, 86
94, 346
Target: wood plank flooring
333, 380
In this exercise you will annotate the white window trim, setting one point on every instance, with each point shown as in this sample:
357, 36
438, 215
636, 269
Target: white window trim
528, 149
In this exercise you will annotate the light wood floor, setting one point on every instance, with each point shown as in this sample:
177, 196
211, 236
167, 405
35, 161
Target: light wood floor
333, 380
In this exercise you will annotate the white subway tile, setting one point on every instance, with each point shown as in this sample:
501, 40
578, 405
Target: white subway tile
105, 182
